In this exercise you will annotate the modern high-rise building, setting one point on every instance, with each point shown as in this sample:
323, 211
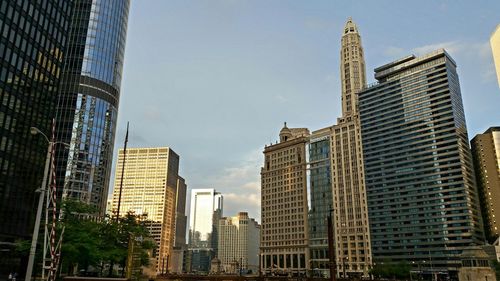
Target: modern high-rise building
87, 107
149, 188
486, 156
320, 184
495, 48
421, 189
239, 240
206, 210
284, 236
33, 39
336, 173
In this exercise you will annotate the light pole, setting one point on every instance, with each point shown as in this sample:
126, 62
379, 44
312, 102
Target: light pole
42, 190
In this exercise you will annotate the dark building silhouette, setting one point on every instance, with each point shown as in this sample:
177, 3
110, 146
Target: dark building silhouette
33, 37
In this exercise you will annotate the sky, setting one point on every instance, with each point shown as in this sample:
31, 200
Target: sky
215, 80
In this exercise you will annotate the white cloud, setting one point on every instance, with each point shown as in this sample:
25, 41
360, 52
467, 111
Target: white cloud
281, 98
460, 50
453, 47
394, 52
240, 185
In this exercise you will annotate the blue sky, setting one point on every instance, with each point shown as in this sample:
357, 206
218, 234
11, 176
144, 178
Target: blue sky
215, 80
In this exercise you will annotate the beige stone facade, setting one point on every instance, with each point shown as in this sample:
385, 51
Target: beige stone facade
284, 210
495, 48
239, 240
351, 226
486, 155
149, 188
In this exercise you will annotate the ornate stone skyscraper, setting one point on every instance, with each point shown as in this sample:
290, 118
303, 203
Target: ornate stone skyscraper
284, 233
336, 173
350, 214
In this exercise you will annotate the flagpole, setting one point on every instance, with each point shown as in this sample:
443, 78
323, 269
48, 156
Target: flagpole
121, 178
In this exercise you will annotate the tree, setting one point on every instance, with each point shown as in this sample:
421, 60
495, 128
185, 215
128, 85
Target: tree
80, 247
92, 242
388, 269
496, 267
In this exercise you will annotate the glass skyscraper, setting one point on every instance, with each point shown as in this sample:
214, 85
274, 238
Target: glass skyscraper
321, 199
88, 104
421, 191
33, 36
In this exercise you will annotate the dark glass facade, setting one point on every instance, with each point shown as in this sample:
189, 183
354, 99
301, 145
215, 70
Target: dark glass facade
33, 35
88, 103
321, 200
421, 191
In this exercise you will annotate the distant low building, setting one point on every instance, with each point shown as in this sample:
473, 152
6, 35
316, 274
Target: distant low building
206, 210
239, 239
475, 266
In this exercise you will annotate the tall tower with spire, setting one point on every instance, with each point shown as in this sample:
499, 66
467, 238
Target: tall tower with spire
337, 177
352, 67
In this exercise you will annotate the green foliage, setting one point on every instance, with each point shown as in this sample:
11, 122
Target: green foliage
89, 241
22, 247
388, 269
496, 267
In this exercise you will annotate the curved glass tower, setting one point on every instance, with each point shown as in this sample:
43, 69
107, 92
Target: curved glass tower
88, 104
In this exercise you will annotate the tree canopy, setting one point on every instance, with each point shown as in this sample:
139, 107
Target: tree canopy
92, 244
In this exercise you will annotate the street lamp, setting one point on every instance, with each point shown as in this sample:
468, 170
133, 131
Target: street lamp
344, 259
42, 190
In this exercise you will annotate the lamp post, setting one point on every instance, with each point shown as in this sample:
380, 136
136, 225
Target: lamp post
344, 259
42, 190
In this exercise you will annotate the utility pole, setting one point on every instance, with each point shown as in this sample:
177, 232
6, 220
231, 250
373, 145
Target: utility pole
121, 178
331, 252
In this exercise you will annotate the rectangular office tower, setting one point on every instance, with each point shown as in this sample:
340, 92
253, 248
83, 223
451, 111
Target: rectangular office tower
284, 234
486, 155
239, 239
149, 188
422, 197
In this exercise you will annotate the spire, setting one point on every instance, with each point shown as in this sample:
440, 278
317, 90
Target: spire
350, 26
352, 67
